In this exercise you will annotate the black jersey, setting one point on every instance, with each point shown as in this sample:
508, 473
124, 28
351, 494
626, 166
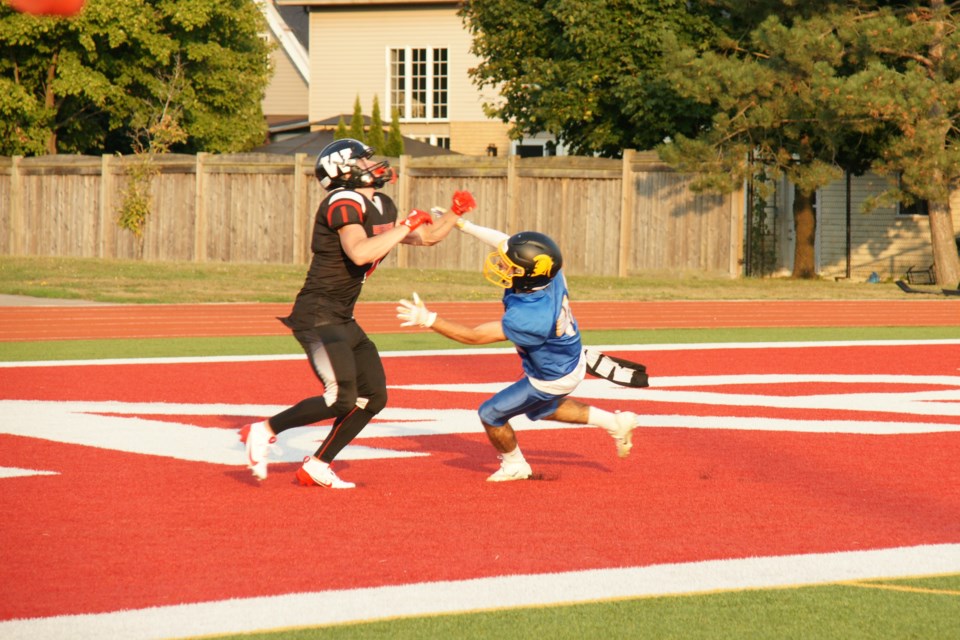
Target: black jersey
333, 281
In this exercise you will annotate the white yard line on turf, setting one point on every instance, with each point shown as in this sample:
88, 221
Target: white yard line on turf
275, 613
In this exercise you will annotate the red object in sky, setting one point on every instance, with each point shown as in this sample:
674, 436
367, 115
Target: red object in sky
64, 8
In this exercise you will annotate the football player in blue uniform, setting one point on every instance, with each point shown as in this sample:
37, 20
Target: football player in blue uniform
355, 228
537, 319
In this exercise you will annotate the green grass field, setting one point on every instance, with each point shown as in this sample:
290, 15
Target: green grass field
922, 607
157, 282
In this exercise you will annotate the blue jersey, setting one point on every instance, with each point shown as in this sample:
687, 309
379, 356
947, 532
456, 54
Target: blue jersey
544, 330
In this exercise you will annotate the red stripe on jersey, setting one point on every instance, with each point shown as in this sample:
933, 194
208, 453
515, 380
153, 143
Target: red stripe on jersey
345, 208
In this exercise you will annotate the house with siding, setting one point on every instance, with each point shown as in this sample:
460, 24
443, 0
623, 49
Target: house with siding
286, 100
851, 242
412, 55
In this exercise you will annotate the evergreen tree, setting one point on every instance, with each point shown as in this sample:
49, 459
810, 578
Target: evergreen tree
813, 91
356, 122
375, 133
394, 145
341, 131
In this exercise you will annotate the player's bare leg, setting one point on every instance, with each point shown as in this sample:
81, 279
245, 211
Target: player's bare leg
619, 425
513, 466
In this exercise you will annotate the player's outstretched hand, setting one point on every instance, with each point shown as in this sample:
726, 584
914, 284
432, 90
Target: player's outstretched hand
463, 202
415, 314
417, 218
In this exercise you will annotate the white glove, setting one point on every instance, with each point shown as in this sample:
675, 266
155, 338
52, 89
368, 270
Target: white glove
415, 313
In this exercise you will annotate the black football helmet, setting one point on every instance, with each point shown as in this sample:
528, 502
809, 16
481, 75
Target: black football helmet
524, 262
337, 168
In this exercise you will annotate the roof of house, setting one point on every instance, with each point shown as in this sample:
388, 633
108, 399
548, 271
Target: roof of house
297, 18
291, 39
313, 143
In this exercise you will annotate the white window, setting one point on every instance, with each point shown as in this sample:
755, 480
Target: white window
438, 141
418, 83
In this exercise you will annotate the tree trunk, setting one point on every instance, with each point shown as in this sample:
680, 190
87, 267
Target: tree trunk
50, 102
943, 241
805, 230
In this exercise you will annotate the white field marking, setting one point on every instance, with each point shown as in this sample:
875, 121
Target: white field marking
277, 613
83, 423
692, 346
16, 472
943, 402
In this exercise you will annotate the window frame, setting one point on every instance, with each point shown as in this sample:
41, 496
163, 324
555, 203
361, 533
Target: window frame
423, 70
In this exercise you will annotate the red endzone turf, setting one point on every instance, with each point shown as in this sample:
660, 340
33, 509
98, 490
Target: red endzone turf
117, 530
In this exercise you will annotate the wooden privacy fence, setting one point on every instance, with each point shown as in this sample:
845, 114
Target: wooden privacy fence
610, 217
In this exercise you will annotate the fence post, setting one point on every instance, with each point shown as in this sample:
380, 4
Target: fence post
200, 211
299, 207
626, 213
403, 208
106, 191
513, 197
17, 245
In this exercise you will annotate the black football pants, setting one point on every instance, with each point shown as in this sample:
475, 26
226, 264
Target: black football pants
348, 364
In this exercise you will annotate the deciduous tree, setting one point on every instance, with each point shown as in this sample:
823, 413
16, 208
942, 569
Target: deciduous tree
83, 84
587, 72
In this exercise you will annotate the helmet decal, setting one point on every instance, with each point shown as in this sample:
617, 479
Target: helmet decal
337, 162
542, 265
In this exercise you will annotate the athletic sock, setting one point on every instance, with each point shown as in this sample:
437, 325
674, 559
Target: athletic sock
514, 456
602, 418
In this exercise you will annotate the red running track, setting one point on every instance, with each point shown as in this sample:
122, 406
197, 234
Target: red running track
33, 323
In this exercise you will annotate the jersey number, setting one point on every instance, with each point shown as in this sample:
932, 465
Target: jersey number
565, 320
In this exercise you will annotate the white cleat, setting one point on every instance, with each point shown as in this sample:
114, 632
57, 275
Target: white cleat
258, 438
623, 433
316, 472
511, 471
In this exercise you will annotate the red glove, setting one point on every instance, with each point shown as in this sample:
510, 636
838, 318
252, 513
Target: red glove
417, 218
463, 202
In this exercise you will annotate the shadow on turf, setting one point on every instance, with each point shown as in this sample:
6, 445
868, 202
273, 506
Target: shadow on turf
480, 457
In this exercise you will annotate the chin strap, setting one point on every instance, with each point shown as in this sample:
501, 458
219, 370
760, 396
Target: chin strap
616, 370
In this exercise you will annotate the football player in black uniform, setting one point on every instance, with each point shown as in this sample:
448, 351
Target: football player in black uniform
355, 227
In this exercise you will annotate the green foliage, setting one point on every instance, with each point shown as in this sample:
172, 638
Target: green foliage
137, 199
375, 137
818, 88
84, 84
135, 205
341, 131
394, 145
590, 73
356, 122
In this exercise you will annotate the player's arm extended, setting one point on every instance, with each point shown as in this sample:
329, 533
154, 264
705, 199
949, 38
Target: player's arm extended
492, 237
414, 313
430, 234
485, 333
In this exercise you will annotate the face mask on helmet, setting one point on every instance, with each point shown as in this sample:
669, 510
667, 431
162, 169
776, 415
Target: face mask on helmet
338, 167
525, 261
